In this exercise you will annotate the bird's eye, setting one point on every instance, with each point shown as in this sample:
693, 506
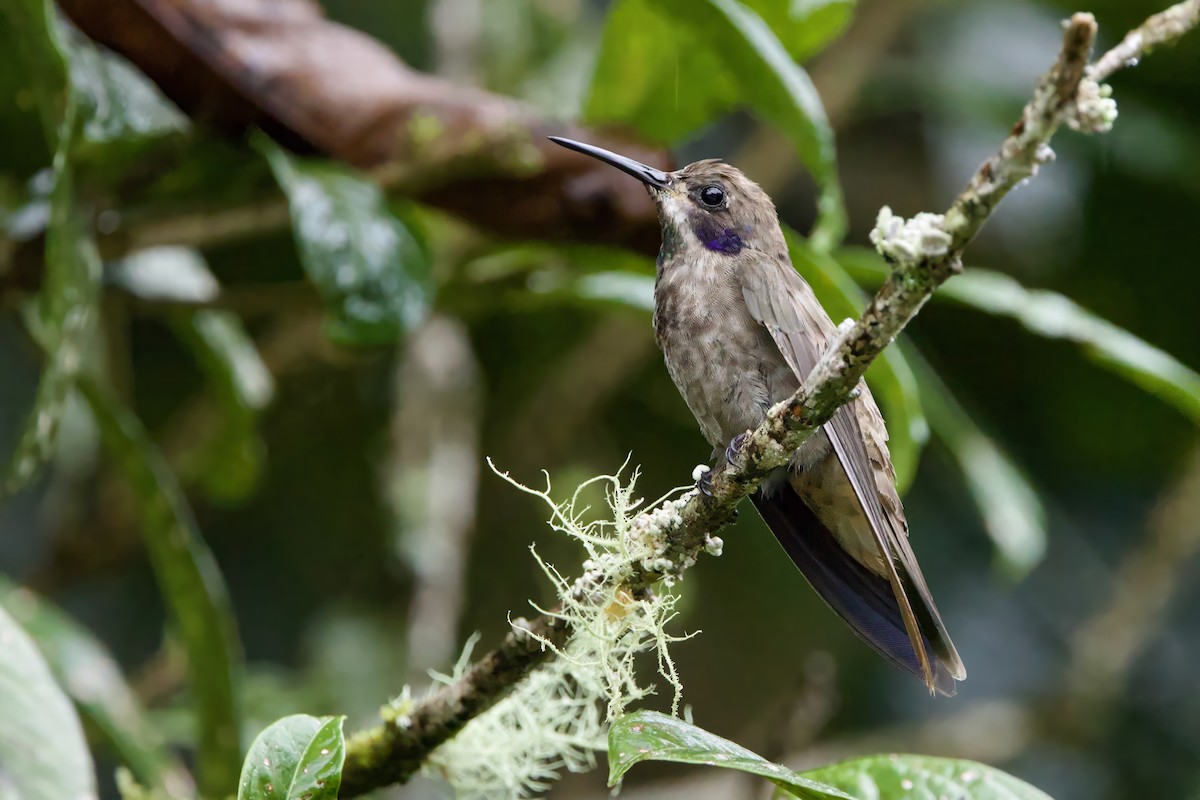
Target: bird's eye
712, 196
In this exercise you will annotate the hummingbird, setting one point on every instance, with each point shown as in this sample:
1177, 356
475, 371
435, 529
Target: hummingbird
740, 330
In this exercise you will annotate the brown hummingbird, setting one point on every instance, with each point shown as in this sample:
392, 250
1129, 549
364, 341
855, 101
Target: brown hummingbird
740, 330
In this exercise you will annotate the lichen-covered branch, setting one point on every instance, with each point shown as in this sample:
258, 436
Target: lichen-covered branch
394, 751
925, 252
1162, 28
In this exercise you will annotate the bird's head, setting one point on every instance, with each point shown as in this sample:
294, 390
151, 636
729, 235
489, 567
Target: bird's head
708, 205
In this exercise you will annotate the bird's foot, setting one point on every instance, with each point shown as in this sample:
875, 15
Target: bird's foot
735, 444
702, 475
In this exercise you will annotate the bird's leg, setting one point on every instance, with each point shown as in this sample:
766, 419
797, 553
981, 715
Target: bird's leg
702, 474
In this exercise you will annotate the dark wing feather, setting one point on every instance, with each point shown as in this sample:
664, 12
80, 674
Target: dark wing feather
780, 300
862, 598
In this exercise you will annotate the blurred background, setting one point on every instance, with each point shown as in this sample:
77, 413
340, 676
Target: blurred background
334, 463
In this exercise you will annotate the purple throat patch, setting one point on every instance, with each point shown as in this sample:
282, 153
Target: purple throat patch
727, 242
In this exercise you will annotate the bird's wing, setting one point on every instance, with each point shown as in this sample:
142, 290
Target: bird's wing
779, 299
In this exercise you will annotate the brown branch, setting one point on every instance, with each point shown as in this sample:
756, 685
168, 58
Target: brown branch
394, 751
320, 87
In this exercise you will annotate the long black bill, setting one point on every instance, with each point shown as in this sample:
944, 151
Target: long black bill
645, 174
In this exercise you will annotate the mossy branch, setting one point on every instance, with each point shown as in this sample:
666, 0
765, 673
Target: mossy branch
925, 252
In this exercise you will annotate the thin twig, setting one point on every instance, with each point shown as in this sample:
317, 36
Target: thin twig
925, 252
1162, 28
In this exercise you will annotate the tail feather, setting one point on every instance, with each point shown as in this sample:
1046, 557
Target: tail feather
860, 597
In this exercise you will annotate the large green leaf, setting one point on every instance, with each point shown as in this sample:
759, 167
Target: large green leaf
650, 736
42, 752
87, 672
778, 88
909, 776
64, 314
805, 27
368, 264
667, 67
655, 76
663, 80
1052, 315
297, 758
194, 591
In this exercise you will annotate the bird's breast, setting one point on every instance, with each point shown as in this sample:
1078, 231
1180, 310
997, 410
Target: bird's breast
722, 361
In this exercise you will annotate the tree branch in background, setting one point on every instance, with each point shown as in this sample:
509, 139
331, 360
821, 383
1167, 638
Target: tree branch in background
1105, 648
321, 87
925, 252
1162, 28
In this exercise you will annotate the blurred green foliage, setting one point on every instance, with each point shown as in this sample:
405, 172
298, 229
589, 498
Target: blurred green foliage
245, 397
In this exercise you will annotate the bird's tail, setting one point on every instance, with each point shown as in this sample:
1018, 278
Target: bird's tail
860, 597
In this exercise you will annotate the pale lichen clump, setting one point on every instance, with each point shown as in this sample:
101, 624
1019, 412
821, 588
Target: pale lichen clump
906, 241
558, 717
1095, 110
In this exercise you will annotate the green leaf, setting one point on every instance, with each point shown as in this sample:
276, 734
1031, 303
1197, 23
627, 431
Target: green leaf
805, 27
667, 67
192, 586
653, 75
909, 776
230, 462
230, 359
43, 58
116, 103
368, 264
650, 736
663, 80
119, 105
623, 288
779, 89
165, 274
1011, 510
297, 758
1054, 316
63, 318
42, 752
891, 377
87, 672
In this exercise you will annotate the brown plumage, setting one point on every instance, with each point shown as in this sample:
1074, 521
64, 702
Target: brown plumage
740, 330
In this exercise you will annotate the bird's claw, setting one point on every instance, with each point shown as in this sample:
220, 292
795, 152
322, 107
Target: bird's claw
735, 444
702, 475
